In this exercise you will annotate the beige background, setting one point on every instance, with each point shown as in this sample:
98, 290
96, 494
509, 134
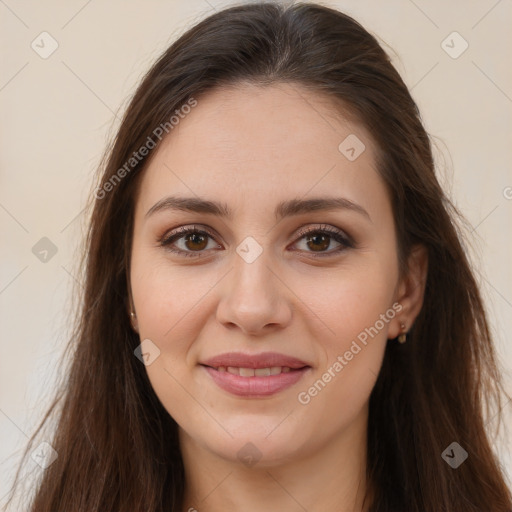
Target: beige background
57, 114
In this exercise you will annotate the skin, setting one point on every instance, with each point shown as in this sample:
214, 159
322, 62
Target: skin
284, 146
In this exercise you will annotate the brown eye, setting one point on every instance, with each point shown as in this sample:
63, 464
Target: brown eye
318, 240
193, 241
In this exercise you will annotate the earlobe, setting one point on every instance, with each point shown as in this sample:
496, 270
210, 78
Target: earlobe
133, 321
411, 290
131, 311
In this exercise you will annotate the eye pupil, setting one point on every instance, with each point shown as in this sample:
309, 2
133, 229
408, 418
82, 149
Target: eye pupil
194, 237
326, 239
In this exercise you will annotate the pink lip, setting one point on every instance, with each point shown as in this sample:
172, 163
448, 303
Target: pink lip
262, 360
255, 386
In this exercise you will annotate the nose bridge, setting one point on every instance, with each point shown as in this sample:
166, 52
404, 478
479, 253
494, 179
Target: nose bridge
252, 279
252, 297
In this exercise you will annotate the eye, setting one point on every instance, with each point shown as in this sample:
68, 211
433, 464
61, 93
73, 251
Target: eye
321, 239
194, 241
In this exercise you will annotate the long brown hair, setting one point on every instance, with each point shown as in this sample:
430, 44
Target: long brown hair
118, 447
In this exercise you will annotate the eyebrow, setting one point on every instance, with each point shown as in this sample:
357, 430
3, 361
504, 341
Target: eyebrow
284, 209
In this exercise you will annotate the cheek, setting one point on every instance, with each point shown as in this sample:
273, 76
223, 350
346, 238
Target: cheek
357, 309
168, 304
173, 306
356, 306
165, 296
348, 300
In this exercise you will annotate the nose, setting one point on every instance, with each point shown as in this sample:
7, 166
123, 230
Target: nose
253, 297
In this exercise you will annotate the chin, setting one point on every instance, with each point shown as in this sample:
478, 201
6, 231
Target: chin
252, 447
258, 453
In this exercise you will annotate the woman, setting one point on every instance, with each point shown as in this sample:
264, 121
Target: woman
278, 312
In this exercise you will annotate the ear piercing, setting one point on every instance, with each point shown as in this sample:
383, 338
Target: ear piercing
402, 337
133, 317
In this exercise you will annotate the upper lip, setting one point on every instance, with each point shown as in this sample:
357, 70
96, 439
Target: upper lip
262, 360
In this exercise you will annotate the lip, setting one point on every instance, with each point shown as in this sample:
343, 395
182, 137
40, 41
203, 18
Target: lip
262, 360
255, 387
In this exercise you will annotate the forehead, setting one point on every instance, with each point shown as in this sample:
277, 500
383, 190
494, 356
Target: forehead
254, 144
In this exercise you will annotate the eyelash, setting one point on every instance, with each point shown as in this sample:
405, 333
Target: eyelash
336, 234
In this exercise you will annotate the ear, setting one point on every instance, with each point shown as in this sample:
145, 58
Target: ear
410, 291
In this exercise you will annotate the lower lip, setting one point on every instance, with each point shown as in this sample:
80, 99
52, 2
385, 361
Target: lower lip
255, 386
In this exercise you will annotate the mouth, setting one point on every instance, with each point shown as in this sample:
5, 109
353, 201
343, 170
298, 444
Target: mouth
255, 382
262, 361
255, 372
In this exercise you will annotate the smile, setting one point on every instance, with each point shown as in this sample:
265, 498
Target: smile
251, 372
255, 382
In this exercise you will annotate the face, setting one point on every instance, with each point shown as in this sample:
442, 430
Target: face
308, 288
